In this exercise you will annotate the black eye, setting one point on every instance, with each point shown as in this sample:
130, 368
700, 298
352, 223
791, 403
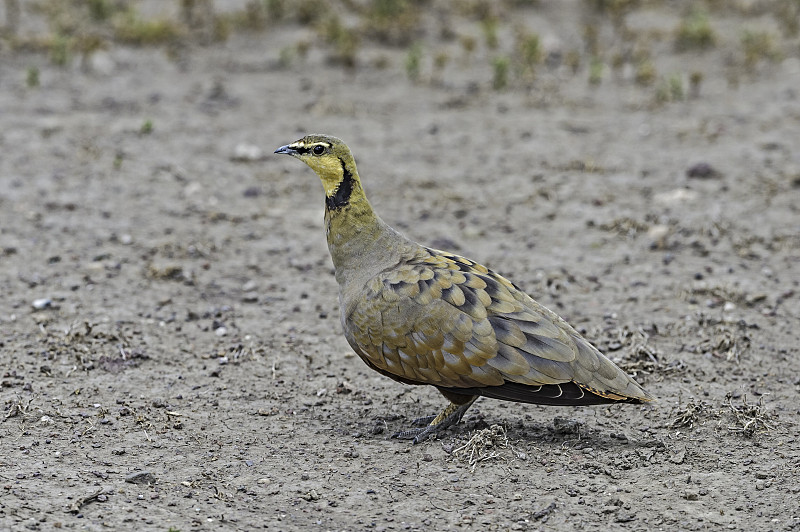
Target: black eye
318, 150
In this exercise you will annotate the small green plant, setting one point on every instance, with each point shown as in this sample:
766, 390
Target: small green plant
695, 32
131, 28
100, 10
276, 10
32, 77
394, 22
307, 12
500, 67
413, 62
302, 48
695, 80
676, 87
286, 56
529, 52
596, 69
645, 72
440, 61
147, 127
670, 89
468, 44
254, 16
573, 60
489, 27
758, 45
60, 50
787, 13
344, 40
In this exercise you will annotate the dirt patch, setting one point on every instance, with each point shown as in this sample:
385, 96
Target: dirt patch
171, 350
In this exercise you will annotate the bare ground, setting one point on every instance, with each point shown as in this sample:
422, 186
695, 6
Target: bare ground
171, 348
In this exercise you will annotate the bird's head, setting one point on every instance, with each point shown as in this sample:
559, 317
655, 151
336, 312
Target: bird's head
329, 157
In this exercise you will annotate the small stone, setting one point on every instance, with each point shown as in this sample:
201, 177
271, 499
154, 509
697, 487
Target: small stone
691, 494
761, 484
263, 481
250, 297
566, 426
223, 360
702, 171
140, 477
221, 331
312, 495
43, 303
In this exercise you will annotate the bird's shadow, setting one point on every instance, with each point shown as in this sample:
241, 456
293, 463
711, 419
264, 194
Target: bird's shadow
558, 432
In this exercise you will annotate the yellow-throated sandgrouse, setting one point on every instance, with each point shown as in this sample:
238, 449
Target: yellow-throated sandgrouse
422, 316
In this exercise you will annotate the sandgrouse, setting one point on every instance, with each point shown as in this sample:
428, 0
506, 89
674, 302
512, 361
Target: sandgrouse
423, 316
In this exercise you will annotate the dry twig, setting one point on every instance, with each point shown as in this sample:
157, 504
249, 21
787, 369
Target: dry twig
484, 445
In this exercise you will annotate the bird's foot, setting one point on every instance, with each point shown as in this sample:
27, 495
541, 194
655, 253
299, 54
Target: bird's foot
422, 421
451, 415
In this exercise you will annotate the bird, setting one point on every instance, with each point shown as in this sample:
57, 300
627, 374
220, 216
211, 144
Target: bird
427, 317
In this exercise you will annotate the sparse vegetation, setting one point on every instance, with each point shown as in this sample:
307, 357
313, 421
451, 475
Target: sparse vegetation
645, 72
749, 419
413, 62
489, 26
394, 22
32, 77
131, 28
689, 415
343, 40
485, 445
500, 66
670, 89
757, 46
596, 69
695, 32
529, 53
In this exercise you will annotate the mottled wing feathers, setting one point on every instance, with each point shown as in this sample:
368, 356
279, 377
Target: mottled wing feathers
444, 320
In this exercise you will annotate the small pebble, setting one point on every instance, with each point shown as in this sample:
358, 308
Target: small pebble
43, 303
140, 477
701, 171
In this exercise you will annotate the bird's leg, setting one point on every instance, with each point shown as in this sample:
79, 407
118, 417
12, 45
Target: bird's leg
448, 417
422, 421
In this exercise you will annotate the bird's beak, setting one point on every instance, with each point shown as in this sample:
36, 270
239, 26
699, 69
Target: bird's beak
286, 150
